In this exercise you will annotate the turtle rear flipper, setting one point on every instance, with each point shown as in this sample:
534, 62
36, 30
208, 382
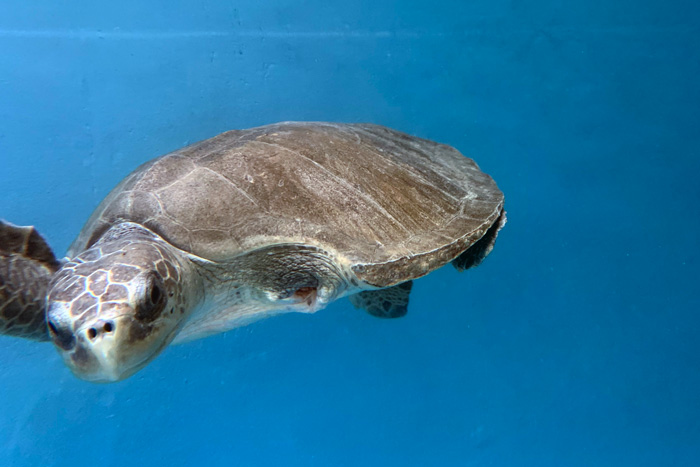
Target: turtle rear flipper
481, 249
26, 266
391, 302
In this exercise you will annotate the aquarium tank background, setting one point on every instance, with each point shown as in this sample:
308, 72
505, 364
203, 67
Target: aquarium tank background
574, 344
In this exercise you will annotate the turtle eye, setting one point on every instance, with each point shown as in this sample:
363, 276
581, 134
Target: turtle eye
61, 335
153, 301
156, 294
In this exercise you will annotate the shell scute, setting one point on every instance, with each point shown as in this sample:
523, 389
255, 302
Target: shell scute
393, 206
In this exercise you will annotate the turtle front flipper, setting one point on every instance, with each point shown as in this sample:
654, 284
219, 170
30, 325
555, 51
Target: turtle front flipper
391, 302
26, 266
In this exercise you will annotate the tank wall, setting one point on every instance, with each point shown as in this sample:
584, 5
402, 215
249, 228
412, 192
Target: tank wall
575, 343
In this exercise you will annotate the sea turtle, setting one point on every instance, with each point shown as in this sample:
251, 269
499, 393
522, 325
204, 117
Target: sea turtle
283, 217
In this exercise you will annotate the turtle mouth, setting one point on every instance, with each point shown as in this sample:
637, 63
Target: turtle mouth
105, 352
101, 353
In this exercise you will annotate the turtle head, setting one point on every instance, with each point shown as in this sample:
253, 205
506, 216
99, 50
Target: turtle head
115, 306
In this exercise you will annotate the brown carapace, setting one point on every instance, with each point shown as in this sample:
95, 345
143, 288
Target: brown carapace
248, 224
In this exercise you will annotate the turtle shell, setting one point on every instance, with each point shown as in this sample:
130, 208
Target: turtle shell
392, 206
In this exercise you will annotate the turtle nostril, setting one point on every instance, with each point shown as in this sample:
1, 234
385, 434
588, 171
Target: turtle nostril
109, 326
92, 333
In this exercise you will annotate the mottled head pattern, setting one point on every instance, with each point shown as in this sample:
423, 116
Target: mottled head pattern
115, 306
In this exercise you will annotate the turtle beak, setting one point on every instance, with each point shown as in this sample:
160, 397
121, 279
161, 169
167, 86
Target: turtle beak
101, 352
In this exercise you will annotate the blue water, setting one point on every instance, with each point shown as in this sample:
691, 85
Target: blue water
574, 344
